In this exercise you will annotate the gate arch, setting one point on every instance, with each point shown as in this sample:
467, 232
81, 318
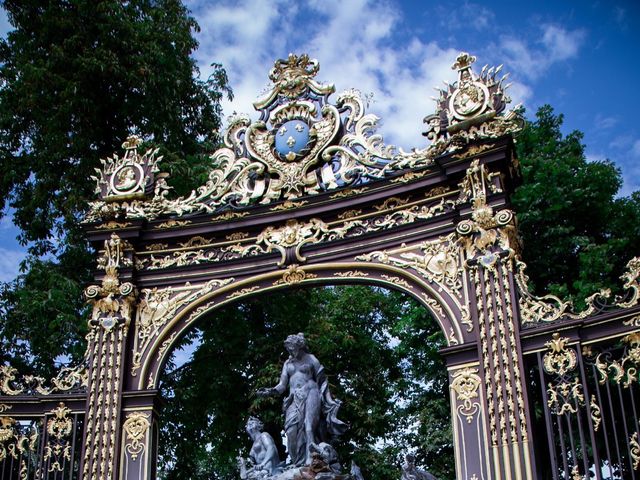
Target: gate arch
311, 194
322, 274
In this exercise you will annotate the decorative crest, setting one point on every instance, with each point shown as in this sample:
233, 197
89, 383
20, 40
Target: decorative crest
293, 76
473, 101
304, 145
128, 177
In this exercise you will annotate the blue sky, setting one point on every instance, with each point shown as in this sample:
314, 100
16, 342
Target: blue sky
580, 57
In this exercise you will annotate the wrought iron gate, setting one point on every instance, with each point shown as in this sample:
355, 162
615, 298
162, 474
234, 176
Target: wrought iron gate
309, 195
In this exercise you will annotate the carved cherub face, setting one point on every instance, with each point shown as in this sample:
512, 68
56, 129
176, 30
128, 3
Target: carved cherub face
254, 425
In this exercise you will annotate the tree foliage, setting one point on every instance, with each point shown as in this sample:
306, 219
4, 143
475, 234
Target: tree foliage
577, 234
75, 79
379, 349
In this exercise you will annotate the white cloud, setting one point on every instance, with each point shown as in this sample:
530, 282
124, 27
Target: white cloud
9, 263
561, 44
603, 122
635, 149
533, 59
352, 41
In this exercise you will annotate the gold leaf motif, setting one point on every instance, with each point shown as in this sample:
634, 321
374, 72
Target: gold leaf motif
559, 360
347, 193
633, 321
466, 383
229, 216
288, 205
631, 282
407, 177
634, 450
157, 306
351, 274
172, 224
244, 291
596, 413
156, 246
236, 236
437, 191
397, 281
349, 214
111, 225
135, 428
390, 203
293, 275
60, 425
196, 241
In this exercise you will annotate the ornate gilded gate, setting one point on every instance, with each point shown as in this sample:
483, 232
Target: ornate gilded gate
309, 194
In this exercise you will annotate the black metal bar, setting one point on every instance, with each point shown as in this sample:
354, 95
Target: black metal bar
602, 413
626, 431
592, 433
613, 422
563, 447
547, 418
574, 456
73, 446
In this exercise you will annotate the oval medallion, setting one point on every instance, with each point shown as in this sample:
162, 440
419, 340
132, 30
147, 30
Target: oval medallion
292, 139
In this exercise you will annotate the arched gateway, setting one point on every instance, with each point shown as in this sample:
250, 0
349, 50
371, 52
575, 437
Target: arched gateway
310, 194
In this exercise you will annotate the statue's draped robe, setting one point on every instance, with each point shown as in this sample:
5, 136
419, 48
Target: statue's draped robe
295, 408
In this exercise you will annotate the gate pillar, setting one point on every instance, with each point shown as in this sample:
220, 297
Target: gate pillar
112, 304
491, 244
139, 439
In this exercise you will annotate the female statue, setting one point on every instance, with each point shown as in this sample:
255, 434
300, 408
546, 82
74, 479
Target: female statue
310, 411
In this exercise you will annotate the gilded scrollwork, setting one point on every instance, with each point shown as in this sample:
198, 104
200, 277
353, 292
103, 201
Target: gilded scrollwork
565, 392
440, 263
135, 428
624, 370
157, 306
596, 413
58, 448
631, 283
634, 450
17, 442
466, 383
351, 274
68, 379
559, 359
305, 145
549, 308
397, 281
487, 232
437, 261
112, 301
243, 291
294, 274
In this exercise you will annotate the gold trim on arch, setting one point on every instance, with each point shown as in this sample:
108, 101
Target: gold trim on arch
148, 378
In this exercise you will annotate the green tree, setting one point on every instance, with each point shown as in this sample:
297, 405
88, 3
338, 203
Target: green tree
75, 79
577, 234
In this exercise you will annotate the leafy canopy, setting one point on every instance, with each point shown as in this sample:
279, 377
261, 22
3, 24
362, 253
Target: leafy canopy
76, 77
577, 234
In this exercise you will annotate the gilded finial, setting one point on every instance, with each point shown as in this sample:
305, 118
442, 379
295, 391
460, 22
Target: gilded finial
463, 61
132, 142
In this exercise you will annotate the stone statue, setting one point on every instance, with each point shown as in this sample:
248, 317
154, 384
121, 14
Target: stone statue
410, 472
310, 411
263, 455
